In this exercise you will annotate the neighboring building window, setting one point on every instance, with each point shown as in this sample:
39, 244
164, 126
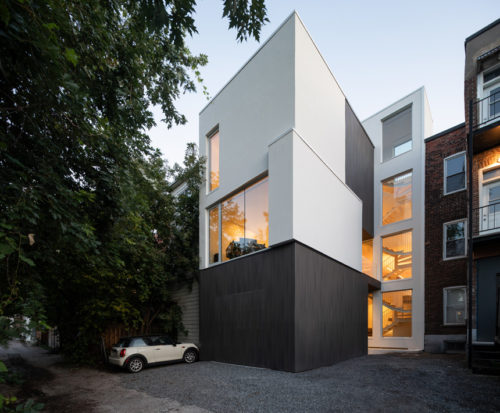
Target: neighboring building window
213, 225
396, 132
454, 173
397, 256
490, 199
396, 313
454, 245
370, 314
490, 105
454, 306
367, 257
213, 164
396, 198
244, 224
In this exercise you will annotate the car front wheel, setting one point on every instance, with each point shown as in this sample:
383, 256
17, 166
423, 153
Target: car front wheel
190, 356
135, 365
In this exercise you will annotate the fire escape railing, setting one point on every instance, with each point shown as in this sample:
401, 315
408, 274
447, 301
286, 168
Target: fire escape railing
486, 218
486, 110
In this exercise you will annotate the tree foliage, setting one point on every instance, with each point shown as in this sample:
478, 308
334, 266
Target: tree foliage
90, 233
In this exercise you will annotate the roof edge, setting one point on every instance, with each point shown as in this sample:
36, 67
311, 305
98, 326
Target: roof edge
481, 31
445, 132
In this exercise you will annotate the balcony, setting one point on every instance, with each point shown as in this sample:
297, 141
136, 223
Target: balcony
486, 121
486, 220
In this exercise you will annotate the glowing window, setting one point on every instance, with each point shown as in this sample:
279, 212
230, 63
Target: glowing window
396, 313
244, 224
213, 224
213, 164
396, 198
397, 256
367, 257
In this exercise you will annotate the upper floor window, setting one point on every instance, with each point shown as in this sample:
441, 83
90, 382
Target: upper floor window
454, 243
397, 256
396, 198
454, 173
489, 192
396, 134
243, 226
213, 161
490, 95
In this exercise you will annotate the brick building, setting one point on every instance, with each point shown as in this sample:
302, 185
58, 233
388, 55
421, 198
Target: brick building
462, 240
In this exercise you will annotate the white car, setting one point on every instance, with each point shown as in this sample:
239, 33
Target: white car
135, 353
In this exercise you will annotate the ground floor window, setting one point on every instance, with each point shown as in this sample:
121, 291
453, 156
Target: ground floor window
240, 224
396, 313
454, 306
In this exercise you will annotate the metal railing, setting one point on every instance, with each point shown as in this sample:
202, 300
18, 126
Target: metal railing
486, 110
487, 218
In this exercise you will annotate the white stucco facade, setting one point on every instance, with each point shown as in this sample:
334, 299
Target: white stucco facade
283, 116
414, 161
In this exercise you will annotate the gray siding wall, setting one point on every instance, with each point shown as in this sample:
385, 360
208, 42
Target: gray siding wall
287, 308
189, 301
359, 165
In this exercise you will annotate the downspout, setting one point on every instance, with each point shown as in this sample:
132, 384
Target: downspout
470, 147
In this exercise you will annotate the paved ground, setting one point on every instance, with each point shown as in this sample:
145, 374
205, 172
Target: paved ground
389, 383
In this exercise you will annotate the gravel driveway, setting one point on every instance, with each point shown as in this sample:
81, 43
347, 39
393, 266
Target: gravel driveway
392, 382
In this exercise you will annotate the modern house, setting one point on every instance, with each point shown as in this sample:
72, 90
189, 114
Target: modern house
463, 211
311, 233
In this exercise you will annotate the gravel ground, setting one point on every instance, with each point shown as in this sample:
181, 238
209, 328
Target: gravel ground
390, 382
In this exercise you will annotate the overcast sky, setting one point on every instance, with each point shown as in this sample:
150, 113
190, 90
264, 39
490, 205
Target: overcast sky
379, 51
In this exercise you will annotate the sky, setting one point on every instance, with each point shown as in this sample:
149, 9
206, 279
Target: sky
379, 52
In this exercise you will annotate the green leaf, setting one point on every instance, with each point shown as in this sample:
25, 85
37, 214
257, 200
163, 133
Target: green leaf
51, 26
3, 367
71, 55
27, 260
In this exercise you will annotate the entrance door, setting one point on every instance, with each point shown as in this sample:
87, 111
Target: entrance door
497, 336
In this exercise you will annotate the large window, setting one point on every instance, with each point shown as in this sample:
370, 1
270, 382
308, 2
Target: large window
213, 161
490, 199
244, 224
396, 198
396, 132
454, 173
367, 257
454, 245
397, 256
454, 306
396, 313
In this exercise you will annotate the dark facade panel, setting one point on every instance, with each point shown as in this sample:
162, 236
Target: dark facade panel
359, 165
246, 310
330, 310
488, 281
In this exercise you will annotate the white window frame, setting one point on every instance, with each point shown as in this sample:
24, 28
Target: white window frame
445, 258
445, 173
483, 91
445, 305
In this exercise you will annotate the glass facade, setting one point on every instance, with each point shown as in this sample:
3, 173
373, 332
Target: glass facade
244, 223
397, 198
396, 313
367, 258
397, 256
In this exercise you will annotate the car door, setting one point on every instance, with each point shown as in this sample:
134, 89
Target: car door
167, 350
141, 345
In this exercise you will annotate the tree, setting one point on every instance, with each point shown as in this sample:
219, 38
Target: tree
81, 187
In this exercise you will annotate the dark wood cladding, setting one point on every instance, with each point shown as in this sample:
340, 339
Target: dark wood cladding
287, 308
330, 310
246, 310
359, 165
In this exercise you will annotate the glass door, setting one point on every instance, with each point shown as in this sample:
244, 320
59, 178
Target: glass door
490, 211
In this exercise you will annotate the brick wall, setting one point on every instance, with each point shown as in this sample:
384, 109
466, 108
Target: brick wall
438, 210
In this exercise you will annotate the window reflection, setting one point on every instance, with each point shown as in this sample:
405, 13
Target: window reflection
233, 226
396, 198
214, 161
397, 256
396, 313
256, 217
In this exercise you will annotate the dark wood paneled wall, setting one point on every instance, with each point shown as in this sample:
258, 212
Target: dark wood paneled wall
287, 308
359, 165
330, 310
246, 310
